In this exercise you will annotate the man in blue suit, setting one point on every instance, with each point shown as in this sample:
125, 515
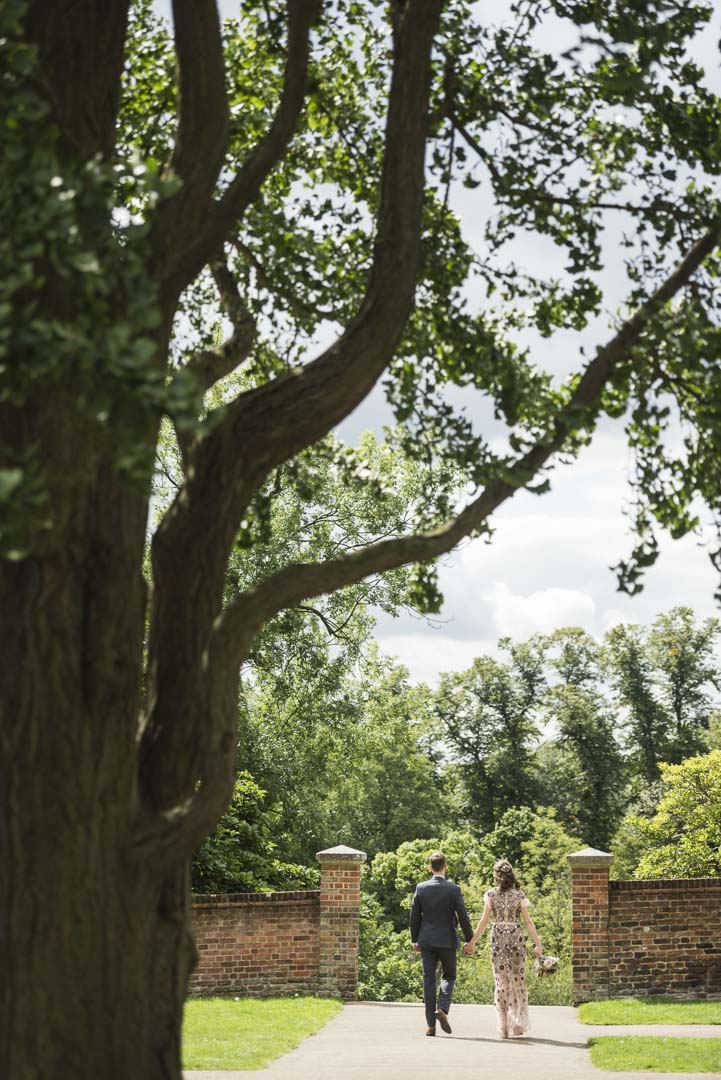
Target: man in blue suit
437, 907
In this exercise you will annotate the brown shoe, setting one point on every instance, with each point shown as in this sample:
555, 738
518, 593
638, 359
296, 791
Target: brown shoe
443, 1021
430, 1031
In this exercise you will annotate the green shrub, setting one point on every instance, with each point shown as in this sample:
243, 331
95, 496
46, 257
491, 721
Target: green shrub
390, 971
240, 855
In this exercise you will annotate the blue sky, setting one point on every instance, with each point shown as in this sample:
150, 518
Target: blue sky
548, 563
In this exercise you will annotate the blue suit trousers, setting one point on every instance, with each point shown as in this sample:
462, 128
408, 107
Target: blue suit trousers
431, 959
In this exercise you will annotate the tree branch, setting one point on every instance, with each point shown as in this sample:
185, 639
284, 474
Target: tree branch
204, 114
81, 52
657, 205
211, 365
485, 156
269, 425
294, 305
223, 215
303, 581
269, 419
203, 128
182, 797
333, 629
168, 836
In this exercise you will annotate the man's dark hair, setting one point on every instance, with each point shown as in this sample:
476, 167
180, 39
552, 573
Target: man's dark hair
438, 861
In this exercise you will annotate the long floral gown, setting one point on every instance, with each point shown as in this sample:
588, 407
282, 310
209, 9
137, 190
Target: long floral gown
508, 959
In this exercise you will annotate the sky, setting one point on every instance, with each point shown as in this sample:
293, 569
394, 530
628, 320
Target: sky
548, 564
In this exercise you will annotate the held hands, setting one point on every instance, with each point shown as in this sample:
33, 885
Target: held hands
470, 947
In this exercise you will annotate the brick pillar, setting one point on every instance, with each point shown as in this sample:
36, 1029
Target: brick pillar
589, 879
340, 869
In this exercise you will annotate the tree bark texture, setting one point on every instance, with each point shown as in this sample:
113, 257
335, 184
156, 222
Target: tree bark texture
95, 938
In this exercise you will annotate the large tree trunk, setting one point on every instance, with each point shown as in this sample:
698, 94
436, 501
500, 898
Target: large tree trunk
95, 943
95, 946
95, 968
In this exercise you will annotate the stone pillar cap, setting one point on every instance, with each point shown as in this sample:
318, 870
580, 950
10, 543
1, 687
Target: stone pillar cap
341, 854
590, 857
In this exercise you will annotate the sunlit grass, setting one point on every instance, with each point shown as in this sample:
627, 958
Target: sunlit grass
650, 1011
651, 1053
224, 1033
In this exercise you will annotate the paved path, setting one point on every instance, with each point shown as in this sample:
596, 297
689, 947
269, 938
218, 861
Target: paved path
373, 1041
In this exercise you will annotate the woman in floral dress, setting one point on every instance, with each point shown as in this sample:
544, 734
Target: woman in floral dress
507, 905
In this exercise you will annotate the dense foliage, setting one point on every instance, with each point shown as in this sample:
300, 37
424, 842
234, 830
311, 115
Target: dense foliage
349, 751
389, 971
683, 838
239, 856
397, 772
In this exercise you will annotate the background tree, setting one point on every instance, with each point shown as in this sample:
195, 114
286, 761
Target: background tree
577, 706
346, 748
713, 738
683, 839
505, 841
486, 718
663, 677
390, 790
289, 175
629, 844
683, 656
240, 854
631, 673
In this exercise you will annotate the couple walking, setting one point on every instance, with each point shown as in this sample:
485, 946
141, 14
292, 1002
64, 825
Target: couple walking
437, 908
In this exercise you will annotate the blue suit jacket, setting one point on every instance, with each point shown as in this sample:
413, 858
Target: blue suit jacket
436, 904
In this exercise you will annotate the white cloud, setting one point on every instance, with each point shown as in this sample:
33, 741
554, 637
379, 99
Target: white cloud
612, 617
428, 653
519, 616
548, 565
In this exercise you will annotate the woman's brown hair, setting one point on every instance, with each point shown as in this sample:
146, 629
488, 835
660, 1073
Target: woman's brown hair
504, 876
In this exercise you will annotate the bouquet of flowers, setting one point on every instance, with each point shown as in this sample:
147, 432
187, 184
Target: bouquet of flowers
545, 965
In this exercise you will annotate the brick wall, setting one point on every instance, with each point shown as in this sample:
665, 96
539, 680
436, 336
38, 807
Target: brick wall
664, 937
639, 938
261, 944
339, 928
590, 925
256, 944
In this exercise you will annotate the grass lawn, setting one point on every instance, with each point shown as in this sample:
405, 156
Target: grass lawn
222, 1033
650, 1011
638, 1053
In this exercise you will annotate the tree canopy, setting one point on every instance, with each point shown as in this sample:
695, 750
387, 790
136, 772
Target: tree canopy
347, 750
663, 676
683, 839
